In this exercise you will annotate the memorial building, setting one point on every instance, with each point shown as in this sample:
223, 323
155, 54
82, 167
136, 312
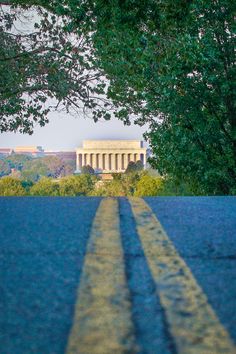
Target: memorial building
110, 155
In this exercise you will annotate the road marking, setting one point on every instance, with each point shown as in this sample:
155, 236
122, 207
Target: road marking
102, 322
192, 321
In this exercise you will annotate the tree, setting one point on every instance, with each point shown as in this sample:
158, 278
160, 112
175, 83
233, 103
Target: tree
10, 186
47, 166
87, 170
131, 167
45, 187
139, 165
173, 67
134, 167
50, 66
76, 185
148, 186
18, 161
4, 168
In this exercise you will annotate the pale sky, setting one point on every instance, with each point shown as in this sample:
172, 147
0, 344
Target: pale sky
66, 132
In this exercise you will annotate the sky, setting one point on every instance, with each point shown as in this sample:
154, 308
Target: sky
66, 132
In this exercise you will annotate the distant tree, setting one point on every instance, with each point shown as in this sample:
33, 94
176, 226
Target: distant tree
10, 186
134, 166
45, 187
27, 185
129, 182
139, 165
34, 169
117, 176
148, 186
47, 166
55, 166
76, 185
70, 166
87, 170
18, 161
131, 167
4, 168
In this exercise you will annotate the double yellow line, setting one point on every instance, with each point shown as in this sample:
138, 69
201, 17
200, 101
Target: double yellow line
102, 321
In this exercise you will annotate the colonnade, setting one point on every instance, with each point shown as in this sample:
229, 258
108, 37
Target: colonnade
108, 161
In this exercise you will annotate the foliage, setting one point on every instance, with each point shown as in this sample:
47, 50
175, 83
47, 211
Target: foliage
173, 187
49, 66
134, 166
148, 186
76, 185
17, 161
87, 170
10, 186
113, 188
27, 185
116, 176
173, 67
4, 168
48, 166
121, 185
45, 187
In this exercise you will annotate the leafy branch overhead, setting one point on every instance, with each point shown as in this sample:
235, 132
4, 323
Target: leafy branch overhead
45, 66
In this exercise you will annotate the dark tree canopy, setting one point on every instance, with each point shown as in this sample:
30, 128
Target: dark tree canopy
87, 170
173, 67
134, 166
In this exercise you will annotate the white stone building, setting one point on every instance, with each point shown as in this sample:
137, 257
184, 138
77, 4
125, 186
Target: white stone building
110, 155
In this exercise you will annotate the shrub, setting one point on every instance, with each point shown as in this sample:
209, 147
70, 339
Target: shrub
45, 187
76, 185
148, 186
10, 186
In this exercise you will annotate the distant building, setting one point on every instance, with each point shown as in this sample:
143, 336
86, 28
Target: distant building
64, 155
29, 150
110, 155
6, 151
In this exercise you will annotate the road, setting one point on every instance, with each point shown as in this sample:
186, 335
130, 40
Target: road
101, 275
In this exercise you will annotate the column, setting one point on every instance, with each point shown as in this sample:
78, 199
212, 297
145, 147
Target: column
110, 162
119, 162
125, 161
106, 162
113, 162
144, 160
97, 160
132, 157
89, 159
100, 162
82, 160
116, 161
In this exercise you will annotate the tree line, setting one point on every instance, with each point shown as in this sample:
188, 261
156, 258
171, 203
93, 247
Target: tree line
133, 182
32, 169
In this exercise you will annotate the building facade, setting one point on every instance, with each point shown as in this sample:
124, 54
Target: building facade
36, 151
110, 155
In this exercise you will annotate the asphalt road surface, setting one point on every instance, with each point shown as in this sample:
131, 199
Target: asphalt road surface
117, 275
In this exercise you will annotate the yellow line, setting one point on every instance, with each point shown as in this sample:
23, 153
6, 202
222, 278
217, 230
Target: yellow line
102, 322
192, 322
